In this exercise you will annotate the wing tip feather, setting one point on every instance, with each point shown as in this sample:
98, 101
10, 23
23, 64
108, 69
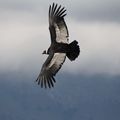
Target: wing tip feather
56, 12
46, 81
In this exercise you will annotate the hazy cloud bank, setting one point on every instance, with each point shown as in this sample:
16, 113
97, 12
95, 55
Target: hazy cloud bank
24, 35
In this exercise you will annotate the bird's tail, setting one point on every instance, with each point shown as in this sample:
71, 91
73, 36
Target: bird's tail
74, 50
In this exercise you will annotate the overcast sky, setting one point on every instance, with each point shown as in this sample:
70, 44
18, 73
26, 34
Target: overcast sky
95, 24
24, 35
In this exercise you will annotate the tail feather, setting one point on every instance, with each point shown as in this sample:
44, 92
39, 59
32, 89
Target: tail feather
74, 50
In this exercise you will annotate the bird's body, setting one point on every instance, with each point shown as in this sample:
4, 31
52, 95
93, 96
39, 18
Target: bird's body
59, 48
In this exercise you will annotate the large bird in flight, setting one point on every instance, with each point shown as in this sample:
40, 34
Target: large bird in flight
59, 48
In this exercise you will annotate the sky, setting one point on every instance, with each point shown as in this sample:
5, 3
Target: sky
95, 24
87, 88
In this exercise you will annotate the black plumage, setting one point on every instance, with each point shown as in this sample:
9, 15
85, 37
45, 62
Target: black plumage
59, 48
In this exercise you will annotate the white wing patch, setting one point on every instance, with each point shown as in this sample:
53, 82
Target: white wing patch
61, 34
57, 59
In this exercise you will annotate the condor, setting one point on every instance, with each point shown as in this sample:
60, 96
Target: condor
59, 48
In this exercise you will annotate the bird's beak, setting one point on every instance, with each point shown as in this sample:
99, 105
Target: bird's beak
44, 52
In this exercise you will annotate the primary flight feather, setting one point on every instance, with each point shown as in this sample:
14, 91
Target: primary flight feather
59, 48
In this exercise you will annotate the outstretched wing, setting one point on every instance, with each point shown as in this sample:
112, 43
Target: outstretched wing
57, 26
50, 68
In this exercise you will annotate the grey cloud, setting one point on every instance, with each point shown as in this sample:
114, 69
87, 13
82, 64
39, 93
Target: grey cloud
89, 10
24, 35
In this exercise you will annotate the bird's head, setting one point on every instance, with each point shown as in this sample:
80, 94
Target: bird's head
44, 52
